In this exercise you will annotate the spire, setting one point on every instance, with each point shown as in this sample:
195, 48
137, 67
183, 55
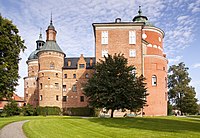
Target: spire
51, 20
140, 11
40, 36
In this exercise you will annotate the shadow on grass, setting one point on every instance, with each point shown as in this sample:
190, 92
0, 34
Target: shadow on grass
154, 124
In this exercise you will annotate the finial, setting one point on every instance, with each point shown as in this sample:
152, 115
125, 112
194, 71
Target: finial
51, 20
140, 11
40, 37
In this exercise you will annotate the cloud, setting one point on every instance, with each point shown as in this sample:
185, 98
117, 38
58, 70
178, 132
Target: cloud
194, 6
197, 65
175, 60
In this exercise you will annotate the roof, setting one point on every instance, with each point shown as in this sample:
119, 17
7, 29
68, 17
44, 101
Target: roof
74, 62
33, 55
15, 97
51, 45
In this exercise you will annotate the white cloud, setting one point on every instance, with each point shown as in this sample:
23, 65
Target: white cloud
197, 65
194, 6
175, 60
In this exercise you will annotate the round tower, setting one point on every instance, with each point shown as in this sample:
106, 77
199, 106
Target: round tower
155, 67
30, 82
50, 63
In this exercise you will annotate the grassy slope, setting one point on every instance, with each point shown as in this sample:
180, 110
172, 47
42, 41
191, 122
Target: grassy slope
54, 127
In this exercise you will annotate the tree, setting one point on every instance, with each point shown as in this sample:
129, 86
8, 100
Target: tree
10, 47
11, 108
114, 86
181, 95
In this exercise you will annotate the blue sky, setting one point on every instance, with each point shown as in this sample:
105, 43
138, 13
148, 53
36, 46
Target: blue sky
73, 21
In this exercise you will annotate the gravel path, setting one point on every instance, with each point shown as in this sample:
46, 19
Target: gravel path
13, 130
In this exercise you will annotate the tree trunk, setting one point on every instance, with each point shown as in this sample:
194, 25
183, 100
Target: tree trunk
112, 112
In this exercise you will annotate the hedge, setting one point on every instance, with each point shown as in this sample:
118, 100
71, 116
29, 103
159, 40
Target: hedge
79, 111
48, 110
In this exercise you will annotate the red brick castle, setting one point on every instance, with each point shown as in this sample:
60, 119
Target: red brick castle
56, 80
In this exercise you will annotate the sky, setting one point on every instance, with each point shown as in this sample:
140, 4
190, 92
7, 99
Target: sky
73, 21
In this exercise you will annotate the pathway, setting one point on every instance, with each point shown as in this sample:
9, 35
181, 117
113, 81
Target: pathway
13, 130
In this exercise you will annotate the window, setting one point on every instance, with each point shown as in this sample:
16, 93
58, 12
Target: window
91, 61
42, 74
56, 85
74, 88
74, 76
65, 75
56, 97
104, 37
81, 98
40, 85
81, 66
154, 80
165, 82
69, 63
105, 53
64, 88
86, 75
132, 53
51, 65
132, 37
40, 97
166, 96
64, 98
56, 74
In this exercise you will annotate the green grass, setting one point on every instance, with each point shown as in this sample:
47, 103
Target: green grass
56, 127
194, 116
147, 127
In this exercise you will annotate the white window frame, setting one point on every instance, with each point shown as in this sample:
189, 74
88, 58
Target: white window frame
132, 53
104, 37
154, 80
132, 37
104, 53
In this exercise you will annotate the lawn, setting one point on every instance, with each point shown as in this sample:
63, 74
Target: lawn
56, 127
76, 127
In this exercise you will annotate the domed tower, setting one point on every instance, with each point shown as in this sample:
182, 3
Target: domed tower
31, 82
50, 63
155, 67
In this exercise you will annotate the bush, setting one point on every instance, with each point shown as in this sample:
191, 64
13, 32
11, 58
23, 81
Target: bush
48, 110
79, 111
28, 110
11, 109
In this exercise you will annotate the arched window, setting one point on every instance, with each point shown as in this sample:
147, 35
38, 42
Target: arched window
74, 88
51, 65
154, 80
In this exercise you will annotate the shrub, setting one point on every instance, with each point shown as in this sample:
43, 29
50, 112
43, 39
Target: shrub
28, 110
79, 111
11, 109
48, 110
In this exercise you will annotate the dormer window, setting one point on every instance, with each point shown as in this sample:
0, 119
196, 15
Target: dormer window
69, 63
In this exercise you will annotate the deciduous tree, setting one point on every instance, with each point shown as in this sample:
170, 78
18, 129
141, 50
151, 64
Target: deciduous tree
114, 86
181, 95
10, 47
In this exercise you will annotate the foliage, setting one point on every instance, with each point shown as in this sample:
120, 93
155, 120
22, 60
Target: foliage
169, 108
48, 110
10, 47
114, 86
11, 108
79, 111
181, 95
28, 110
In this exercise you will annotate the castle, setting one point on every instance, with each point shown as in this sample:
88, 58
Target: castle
56, 80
